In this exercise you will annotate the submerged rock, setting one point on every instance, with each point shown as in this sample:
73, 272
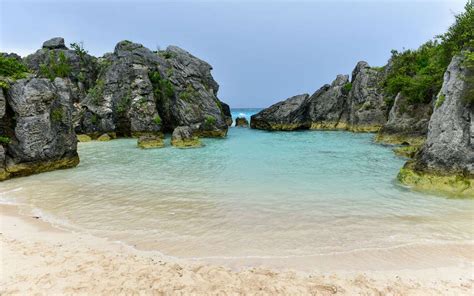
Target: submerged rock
104, 138
38, 127
446, 160
241, 122
183, 138
84, 138
150, 141
287, 115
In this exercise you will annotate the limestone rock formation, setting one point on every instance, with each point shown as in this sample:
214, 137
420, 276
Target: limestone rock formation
446, 161
328, 104
183, 137
367, 109
407, 123
150, 141
143, 92
37, 127
241, 122
54, 59
286, 115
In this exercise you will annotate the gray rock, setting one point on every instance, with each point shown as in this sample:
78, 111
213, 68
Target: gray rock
449, 147
288, 115
3, 103
241, 122
183, 137
328, 104
55, 43
407, 122
367, 108
42, 138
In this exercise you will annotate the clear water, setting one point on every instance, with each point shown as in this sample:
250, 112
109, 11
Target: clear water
254, 194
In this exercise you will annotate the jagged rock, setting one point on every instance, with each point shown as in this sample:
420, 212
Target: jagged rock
3, 103
287, 115
83, 67
183, 137
150, 141
38, 124
241, 122
327, 105
11, 55
446, 161
142, 92
367, 110
227, 113
3, 172
407, 123
54, 43
84, 138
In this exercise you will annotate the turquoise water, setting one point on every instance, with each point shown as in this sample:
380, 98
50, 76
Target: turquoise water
254, 194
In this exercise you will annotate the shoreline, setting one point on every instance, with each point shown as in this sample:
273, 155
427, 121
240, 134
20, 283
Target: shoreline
38, 257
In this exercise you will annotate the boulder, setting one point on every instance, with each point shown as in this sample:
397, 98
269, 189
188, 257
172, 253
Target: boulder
54, 43
104, 138
183, 137
287, 115
84, 138
407, 123
150, 141
241, 122
446, 160
38, 126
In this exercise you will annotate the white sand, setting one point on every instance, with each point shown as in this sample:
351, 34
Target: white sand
38, 259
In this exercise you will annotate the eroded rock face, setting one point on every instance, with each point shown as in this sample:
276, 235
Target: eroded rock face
446, 161
286, 115
143, 92
38, 124
183, 137
328, 105
367, 109
407, 123
83, 67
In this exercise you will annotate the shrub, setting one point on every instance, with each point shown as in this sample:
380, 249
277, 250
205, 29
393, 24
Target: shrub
57, 114
188, 93
210, 121
162, 88
123, 104
97, 91
157, 119
94, 119
4, 140
12, 68
56, 66
79, 49
347, 87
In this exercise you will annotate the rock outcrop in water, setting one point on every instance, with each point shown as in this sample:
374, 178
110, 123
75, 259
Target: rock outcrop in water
356, 105
130, 92
36, 127
183, 137
241, 122
143, 92
446, 160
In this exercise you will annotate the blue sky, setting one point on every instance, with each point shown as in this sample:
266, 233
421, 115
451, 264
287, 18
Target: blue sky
262, 52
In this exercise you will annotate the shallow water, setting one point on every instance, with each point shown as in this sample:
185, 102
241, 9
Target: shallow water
254, 194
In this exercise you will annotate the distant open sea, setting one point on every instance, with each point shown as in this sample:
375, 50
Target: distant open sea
256, 194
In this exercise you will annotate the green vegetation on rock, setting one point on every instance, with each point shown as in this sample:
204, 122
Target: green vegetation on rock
209, 121
157, 119
440, 100
4, 140
57, 114
188, 93
12, 68
56, 66
97, 91
163, 88
418, 74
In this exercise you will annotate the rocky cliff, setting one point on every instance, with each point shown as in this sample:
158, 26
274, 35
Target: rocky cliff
36, 127
139, 91
55, 92
356, 105
446, 160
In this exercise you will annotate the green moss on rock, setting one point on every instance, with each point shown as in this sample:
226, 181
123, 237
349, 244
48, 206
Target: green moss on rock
84, 138
189, 143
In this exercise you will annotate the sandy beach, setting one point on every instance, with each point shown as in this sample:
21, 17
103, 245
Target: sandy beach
39, 259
